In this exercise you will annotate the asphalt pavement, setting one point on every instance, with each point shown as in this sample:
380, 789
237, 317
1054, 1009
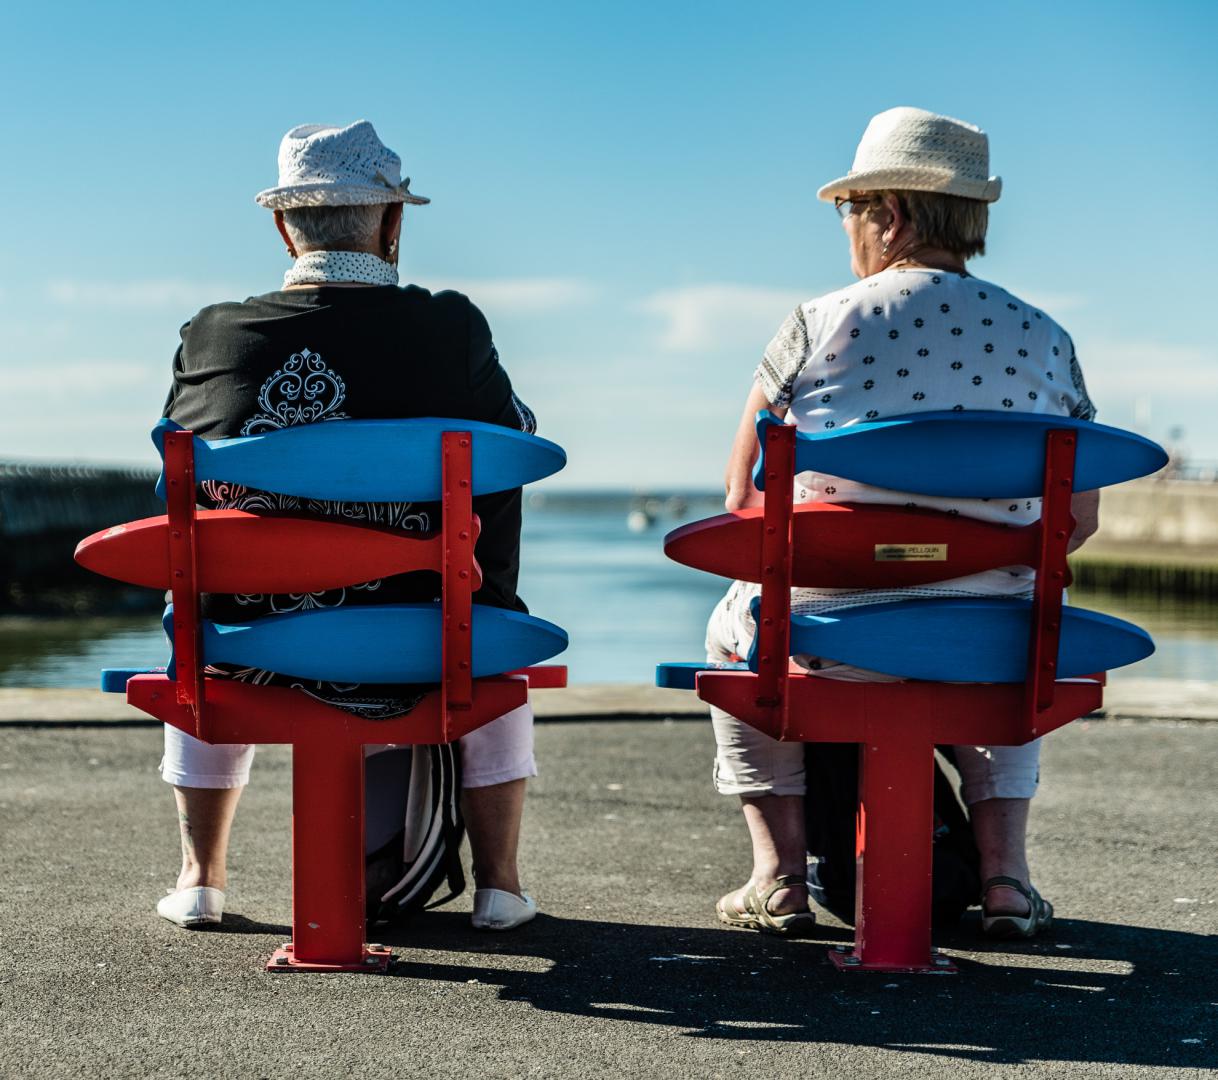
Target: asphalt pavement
625, 972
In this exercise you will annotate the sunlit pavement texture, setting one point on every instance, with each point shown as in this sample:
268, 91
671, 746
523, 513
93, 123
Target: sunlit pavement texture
626, 972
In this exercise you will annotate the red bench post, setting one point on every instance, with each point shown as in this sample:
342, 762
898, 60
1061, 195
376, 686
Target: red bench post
328, 911
457, 469
183, 571
1052, 576
774, 621
893, 825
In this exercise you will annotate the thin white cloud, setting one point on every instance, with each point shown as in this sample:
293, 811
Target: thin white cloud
18, 336
1133, 369
704, 316
166, 293
501, 295
1052, 303
506, 296
71, 378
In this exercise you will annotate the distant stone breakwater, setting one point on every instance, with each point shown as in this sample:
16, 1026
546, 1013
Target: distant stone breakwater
45, 510
1157, 536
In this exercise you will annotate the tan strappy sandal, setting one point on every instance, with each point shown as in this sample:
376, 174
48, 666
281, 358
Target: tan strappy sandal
758, 916
1039, 917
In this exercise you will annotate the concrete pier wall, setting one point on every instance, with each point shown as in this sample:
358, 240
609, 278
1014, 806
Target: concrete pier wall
1155, 536
1165, 514
45, 510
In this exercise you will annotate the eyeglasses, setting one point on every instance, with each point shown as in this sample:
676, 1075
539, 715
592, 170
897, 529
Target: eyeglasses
845, 205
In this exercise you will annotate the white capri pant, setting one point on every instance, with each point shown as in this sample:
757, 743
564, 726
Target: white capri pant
493, 754
751, 763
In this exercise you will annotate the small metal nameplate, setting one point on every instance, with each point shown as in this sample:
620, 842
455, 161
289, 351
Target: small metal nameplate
911, 553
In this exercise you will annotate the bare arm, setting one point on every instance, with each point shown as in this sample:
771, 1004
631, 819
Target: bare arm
1085, 506
738, 479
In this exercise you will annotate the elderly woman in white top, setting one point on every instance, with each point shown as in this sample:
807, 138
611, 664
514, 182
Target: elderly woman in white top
916, 333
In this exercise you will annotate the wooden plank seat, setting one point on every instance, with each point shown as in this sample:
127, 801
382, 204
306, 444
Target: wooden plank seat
479, 656
986, 671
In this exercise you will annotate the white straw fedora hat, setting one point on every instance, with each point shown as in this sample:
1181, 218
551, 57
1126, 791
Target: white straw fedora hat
331, 166
914, 150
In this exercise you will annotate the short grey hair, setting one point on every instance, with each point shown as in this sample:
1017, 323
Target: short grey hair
950, 222
334, 228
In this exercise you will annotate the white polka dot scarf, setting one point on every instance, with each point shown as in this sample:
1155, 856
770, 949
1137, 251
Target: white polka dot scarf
319, 267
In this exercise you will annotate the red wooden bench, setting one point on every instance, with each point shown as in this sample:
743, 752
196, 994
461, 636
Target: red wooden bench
192, 551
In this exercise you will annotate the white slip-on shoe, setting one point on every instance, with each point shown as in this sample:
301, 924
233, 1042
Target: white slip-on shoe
496, 909
192, 907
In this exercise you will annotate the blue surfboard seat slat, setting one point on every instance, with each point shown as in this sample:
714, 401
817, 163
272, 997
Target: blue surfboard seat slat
683, 676
971, 455
391, 643
114, 680
961, 640
368, 460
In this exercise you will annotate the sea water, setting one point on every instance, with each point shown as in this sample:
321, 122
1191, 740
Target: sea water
595, 566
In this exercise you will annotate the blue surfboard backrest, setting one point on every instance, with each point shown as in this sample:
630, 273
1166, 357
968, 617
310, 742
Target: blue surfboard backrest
960, 639
965, 454
368, 460
390, 643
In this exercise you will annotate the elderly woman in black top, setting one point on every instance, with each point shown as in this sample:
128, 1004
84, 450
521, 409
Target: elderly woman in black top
342, 341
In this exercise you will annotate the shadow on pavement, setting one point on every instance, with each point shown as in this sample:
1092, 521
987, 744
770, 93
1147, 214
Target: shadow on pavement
239, 924
1090, 992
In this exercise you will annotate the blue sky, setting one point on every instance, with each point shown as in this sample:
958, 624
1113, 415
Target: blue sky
627, 190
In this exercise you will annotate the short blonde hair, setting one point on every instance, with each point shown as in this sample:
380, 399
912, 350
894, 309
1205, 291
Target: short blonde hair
950, 222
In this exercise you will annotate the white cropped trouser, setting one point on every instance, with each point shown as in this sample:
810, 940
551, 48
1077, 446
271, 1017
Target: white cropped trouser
751, 763
493, 754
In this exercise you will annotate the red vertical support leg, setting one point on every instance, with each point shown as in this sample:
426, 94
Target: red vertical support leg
456, 687
1052, 572
894, 834
774, 616
183, 565
328, 918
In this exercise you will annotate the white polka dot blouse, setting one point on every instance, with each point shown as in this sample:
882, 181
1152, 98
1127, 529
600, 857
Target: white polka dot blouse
915, 340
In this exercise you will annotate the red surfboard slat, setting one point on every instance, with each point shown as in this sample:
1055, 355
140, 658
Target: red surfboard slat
240, 552
856, 547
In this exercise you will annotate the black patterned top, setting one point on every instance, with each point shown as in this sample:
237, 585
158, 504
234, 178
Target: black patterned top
306, 356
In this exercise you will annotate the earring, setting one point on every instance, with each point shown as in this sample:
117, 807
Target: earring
393, 247
291, 253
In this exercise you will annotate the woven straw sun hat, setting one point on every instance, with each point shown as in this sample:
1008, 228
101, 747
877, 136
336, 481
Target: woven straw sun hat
915, 150
321, 165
